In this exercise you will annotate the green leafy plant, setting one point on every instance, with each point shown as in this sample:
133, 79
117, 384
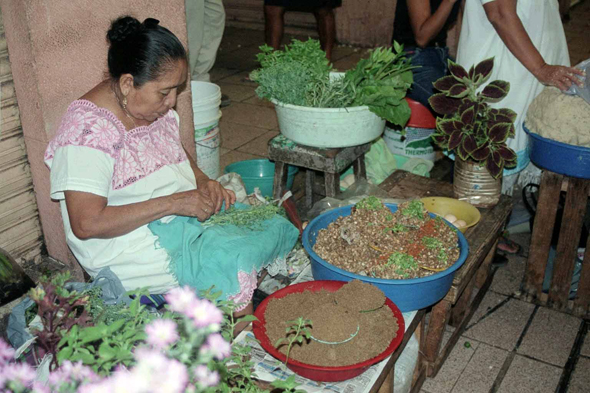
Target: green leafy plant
469, 126
300, 75
414, 209
402, 263
61, 312
297, 330
370, 203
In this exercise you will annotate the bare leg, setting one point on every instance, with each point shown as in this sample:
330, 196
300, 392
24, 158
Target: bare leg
249, 310
326, 29
273, 25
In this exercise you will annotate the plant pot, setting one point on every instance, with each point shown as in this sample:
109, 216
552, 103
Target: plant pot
328, 127
474, 184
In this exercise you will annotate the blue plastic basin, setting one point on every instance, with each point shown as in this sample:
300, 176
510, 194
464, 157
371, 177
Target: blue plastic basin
408, 295
259, 173
559, 157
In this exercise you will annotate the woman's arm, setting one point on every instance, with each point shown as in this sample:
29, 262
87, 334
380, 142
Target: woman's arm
91, 217
502, 15
212, 188
426, 25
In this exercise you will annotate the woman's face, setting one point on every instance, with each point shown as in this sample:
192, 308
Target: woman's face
154, 99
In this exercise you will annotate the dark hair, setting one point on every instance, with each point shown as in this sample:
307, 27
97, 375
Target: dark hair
145, 50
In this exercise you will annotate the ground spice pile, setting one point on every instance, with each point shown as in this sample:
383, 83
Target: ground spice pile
375, 242
335, 316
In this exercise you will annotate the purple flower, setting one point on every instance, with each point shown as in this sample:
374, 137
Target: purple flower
217, 346
179, 299
39, 387
72, 372
206, 377
161, 333
203, 313
6, 352
19, 372
173, 379
154, 372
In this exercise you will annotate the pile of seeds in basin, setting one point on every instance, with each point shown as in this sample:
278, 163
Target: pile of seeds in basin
375, 242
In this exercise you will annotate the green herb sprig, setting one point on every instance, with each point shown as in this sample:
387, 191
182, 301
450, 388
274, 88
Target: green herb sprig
251, 217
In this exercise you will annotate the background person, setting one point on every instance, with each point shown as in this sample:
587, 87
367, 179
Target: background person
421, 26
323, 10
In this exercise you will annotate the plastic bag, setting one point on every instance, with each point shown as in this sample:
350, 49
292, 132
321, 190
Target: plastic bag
584, 90
113, 292
359, 190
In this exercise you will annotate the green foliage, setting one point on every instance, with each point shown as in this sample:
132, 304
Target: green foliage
251, 217
300, 75
381, 82
397, 228
415, 209
469, 126
370, 203
288, 385
432, 242
402, 263
110, 341
297, 330
290, 75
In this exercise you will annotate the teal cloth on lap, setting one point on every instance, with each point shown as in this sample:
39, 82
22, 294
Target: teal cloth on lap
205, 256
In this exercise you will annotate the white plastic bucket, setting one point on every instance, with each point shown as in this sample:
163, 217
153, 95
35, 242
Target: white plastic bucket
206, 115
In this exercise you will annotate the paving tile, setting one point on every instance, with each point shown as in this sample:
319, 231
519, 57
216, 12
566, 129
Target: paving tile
234, 39
528, 375
243, 58
255, 100
482, 370
234, 156
585, 351
504, 326
237, 93
240, 78
218, 73
349, 62
452, 368
341, 51
253, 115
223, 150
550, 336
507, 279
234, 135
580, 380
259, 146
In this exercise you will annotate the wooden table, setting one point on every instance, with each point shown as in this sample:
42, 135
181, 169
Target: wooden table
469, 286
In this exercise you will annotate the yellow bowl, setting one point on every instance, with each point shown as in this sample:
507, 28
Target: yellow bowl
462, 210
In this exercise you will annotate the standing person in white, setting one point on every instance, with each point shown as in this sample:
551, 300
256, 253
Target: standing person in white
527, 41
205, 22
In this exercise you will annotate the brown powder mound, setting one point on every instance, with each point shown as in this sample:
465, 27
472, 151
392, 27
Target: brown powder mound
360, 296
376, 328
323, 328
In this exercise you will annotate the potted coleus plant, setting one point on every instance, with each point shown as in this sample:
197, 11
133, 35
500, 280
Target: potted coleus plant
475, 132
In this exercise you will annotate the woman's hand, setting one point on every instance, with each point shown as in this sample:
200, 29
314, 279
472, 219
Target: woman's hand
217, 194
558, 76
194, 203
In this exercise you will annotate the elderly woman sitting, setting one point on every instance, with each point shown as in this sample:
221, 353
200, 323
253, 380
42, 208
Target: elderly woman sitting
117, 165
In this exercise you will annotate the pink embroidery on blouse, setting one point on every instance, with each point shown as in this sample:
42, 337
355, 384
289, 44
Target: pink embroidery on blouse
248, 283
137, 153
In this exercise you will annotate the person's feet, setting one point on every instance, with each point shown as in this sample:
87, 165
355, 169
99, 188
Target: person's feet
507, 246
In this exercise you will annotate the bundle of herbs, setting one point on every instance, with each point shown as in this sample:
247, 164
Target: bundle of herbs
300, 75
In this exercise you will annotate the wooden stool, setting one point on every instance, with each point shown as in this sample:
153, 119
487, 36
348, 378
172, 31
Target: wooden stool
329, 161
569, 236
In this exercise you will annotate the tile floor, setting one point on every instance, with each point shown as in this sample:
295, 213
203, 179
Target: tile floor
510, 345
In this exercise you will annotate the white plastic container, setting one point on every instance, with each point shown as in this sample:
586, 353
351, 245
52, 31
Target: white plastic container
206, 115
328, 127
416, 143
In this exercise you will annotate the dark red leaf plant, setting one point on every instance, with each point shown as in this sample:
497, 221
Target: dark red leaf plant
469, 126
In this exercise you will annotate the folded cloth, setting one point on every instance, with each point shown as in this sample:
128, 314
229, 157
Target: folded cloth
206, 256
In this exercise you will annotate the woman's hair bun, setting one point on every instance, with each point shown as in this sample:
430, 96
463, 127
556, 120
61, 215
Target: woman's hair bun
122, 28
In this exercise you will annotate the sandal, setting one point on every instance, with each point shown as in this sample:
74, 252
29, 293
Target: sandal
511, 247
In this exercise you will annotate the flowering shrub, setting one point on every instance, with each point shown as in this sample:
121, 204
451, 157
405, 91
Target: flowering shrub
187, 349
